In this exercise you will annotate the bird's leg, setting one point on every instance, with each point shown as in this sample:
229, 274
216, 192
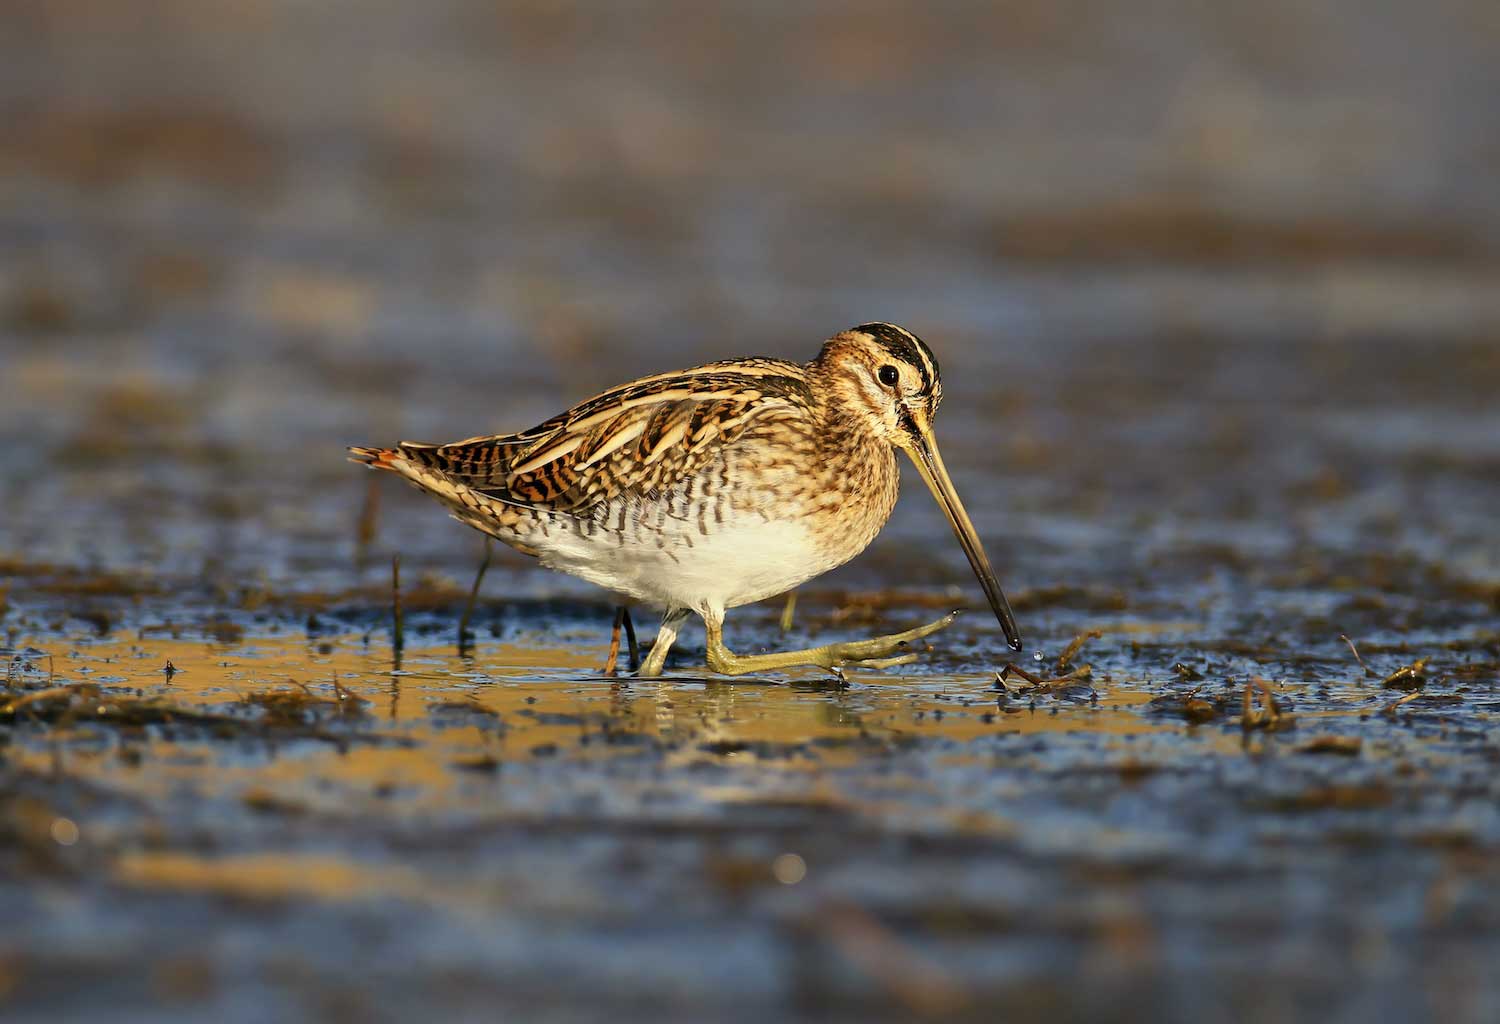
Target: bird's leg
877, 652
611, 663
657, 659
633, 649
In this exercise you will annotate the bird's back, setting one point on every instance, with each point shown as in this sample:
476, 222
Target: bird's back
638, 438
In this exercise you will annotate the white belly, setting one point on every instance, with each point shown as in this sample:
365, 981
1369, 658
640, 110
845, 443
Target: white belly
732, 565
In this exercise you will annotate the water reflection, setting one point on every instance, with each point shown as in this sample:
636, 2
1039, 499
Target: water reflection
416, 739
515, 802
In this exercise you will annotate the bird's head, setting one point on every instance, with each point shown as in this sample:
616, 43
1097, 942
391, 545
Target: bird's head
887, 378
884, 375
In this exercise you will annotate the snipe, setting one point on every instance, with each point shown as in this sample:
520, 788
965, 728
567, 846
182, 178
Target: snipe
708, 488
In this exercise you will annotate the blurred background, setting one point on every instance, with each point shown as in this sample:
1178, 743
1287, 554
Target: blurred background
239, 235
1216, 292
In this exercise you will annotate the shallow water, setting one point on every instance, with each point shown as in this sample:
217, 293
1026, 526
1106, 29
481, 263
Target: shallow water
1214, 294
903, 843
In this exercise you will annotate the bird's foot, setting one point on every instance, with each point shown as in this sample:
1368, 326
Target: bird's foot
877, 652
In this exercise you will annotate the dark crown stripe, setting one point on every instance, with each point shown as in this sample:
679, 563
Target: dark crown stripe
905, 346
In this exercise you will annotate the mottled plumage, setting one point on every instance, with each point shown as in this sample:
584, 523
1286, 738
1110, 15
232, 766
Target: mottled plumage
701, 489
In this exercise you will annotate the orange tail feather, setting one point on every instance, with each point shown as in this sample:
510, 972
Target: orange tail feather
375, 458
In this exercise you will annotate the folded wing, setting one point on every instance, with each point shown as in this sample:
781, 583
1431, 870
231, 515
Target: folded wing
642, 439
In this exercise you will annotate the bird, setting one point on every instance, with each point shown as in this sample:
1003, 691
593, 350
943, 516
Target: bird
705, 489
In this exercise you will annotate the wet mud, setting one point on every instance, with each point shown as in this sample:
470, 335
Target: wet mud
1237, 464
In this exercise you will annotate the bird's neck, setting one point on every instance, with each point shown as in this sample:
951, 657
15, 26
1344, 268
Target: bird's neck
861, 466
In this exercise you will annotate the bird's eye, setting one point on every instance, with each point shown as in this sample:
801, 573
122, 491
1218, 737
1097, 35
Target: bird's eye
888, 375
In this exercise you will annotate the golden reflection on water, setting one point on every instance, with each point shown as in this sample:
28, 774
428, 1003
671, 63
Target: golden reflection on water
519, 702
439, 736
264, 876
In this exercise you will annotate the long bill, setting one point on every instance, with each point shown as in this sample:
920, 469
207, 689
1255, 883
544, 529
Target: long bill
924, 454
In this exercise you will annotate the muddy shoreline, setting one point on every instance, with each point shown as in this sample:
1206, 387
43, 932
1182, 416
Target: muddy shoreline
1214, 294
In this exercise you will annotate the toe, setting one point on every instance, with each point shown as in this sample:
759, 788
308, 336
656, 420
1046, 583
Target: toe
904, 659
930, 628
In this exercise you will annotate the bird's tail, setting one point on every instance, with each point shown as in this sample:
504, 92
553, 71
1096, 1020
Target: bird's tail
375, 458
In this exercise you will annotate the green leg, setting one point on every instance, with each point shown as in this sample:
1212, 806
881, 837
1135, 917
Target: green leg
671, 623
877, 652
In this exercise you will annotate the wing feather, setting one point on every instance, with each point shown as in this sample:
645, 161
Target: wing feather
638, 439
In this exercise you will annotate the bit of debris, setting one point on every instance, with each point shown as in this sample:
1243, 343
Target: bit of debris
484, 764
1268, 715
1191, 706
263, 801
788, 612
1072, 687
1009, 669
465, 637
1348, 746
398, 627
347, 698
37, 699
301, 706
1420, 700
1071, 651
1198, 710
89, 702
1407, 677
1369, 672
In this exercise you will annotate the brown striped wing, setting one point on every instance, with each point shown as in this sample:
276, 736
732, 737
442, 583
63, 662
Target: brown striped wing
640, 439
